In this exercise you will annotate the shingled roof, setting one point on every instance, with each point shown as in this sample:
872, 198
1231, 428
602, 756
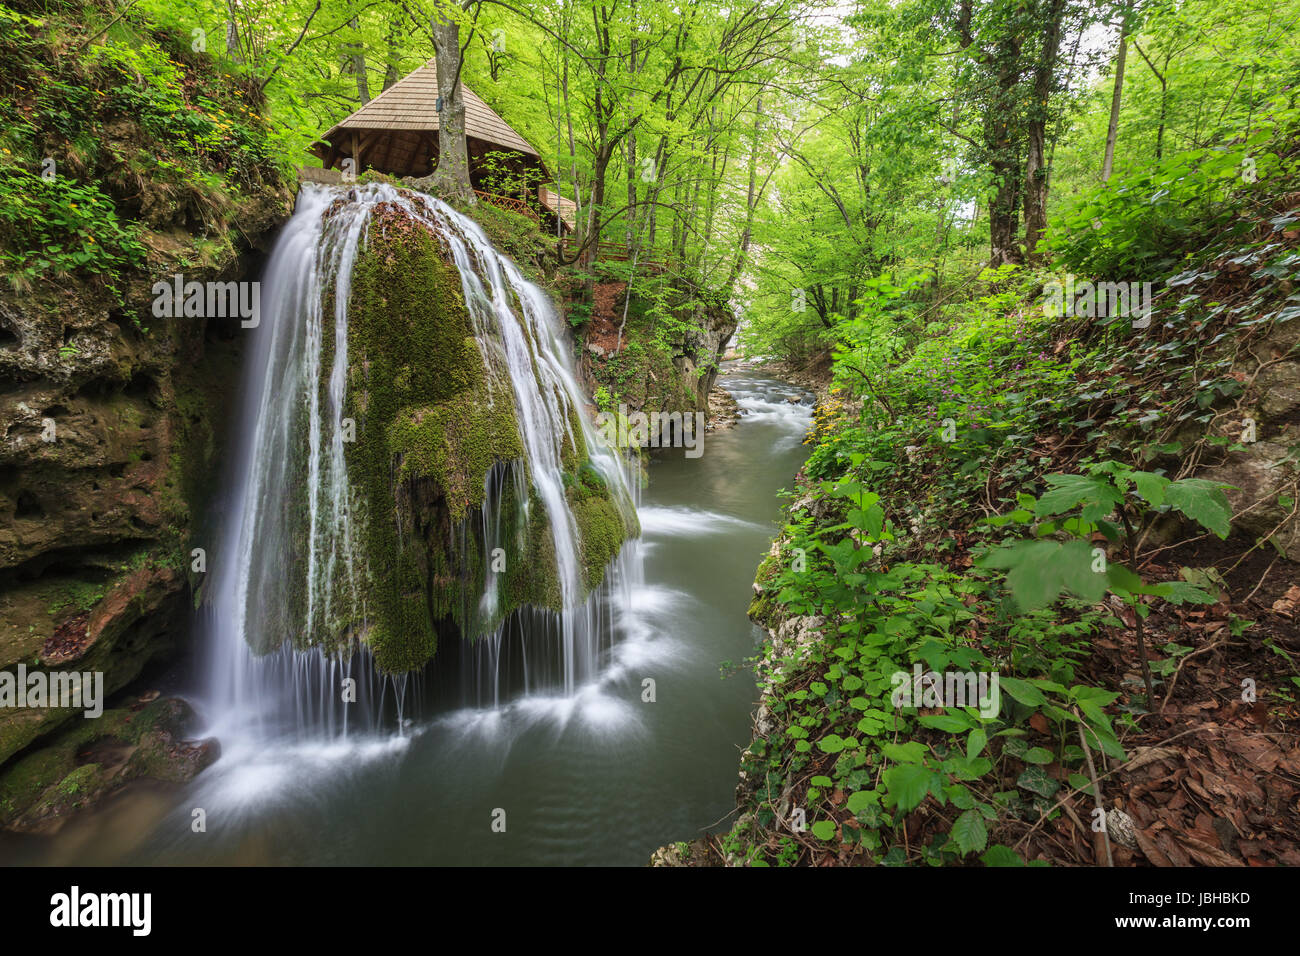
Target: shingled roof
397, 133
409, 107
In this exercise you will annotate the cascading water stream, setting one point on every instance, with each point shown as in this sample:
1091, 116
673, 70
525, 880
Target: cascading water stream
289, 549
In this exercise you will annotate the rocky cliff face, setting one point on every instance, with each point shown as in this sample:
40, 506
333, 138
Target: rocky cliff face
668, 353
111, 418
1266, 435
110, 433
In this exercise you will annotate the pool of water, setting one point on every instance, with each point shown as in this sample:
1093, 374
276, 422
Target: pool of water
601, 777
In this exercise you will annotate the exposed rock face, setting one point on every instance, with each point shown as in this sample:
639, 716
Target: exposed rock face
108, 436
645, 372
698, 356
1264, 472
93, 758
111, 427
111, 418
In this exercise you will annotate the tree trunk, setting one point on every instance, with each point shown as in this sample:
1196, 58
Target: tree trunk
451, 178
1112, 131
1036, 171
359, 67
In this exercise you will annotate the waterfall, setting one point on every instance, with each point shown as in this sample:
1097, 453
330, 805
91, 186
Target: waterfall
289, 564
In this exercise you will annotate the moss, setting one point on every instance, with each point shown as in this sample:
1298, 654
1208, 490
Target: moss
49, 781
454, 444
517, 236
763, 606
429, 430
602, 530
536, 579
432, 425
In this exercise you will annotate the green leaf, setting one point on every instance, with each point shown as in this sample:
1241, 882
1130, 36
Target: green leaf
861, 799
1067, 492
1000, 855
824, 830
1183, 592
907, 785
1040, 755
1023, 691
1204, 502
951, 723
969, 832
911, 752
976, 742
1036, 781
1040, 570
1151, 487
1122, 580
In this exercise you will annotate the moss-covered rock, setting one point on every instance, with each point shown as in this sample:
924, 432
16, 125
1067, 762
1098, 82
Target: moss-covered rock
92, 758
432, 425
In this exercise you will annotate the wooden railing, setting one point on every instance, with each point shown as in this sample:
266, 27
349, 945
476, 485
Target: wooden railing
618, 252
508, 202
651, 260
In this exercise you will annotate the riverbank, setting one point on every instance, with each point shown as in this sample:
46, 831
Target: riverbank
893, 562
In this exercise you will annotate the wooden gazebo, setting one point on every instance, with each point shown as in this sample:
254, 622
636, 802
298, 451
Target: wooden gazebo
397, 133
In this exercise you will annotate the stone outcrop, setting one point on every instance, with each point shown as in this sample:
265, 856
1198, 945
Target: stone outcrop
1263, 472
111, 418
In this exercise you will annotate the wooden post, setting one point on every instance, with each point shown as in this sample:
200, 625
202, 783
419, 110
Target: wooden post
356, 152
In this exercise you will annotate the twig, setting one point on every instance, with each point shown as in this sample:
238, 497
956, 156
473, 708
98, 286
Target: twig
111, 23
1172, 683
1262, 579
1137, 612
1060, 801
1096, 787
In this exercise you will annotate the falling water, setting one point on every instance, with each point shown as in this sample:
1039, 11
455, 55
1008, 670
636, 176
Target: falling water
275, 587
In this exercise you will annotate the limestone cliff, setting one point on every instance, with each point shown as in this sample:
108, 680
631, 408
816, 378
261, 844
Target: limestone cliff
110, 416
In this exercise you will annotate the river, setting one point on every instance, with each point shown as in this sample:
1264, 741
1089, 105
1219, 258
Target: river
600, 777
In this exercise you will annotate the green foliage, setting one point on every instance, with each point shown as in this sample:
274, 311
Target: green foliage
53, 227
838, 714
1141, 224
111, 127
1040, 570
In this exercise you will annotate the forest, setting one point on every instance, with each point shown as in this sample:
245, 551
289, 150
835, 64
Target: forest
989, 557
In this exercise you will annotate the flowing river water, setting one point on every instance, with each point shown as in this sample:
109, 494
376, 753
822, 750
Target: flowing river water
599, 776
